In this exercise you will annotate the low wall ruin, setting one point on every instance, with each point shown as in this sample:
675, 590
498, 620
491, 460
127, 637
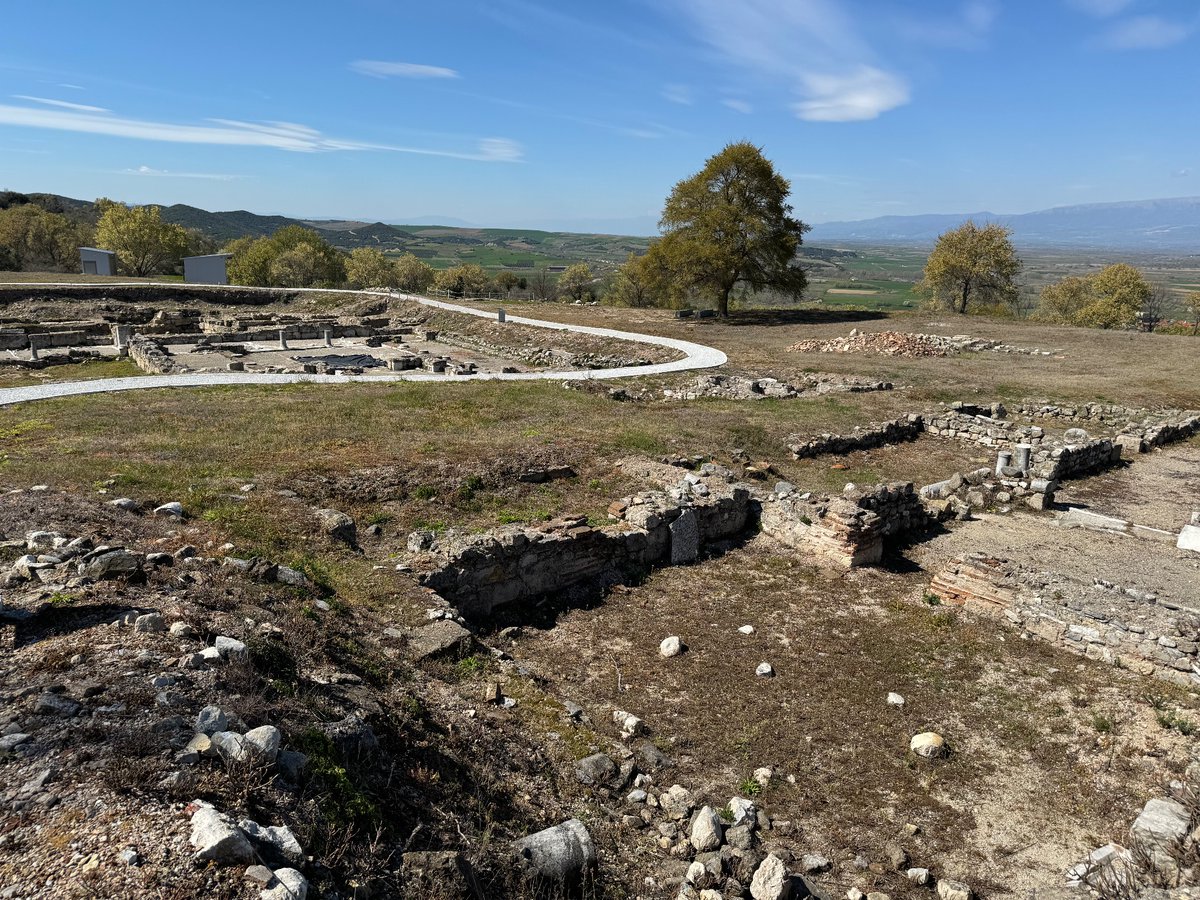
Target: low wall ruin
863, 438
1136, 630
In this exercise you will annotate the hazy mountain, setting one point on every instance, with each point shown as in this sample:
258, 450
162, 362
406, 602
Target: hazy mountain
1169, 224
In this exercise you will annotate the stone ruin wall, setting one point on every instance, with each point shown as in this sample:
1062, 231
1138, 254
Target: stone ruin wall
1135, 630
482, 573
150, 356
865, 438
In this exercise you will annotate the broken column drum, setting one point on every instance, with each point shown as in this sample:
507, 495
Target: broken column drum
1003, 461
500, 315
282, 339
1023, 454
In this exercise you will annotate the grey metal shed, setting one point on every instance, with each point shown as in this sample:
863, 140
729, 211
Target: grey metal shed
210, 269
97, 262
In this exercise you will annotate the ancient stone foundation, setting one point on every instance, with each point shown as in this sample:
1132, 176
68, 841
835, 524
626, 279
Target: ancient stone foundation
864, 438
1144, 632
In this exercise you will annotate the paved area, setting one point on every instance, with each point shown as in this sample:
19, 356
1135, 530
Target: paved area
697, 356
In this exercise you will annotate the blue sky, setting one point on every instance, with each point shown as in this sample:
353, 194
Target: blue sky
532, 113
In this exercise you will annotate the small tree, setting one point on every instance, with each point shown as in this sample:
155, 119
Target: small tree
506, 281
1112, 298
731, 224
293, 256
575, 281
1192, 304
144, 243
542, 286
1154, 307
972, 267
369, 268
635, 283
467, 280
413, 275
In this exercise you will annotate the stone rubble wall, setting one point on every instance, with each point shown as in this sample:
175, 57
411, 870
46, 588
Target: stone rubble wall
49, 336
151, 357
542, 357
480, 574
864, 438
1136, 630
721, 386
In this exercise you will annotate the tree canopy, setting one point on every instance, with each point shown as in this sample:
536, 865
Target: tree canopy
293, 256
144, 243
972, 268
413, 274
1111, 298
369, 268
31, 237
730, 224
574, 281
467, 280
635, 282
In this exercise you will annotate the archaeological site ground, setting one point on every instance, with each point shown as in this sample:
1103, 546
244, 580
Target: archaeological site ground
350, 594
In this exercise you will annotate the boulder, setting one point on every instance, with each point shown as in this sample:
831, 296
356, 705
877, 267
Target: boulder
952, 890
231, 746
707, 831
765, 670
1161, 825
338, 526
275, 841
211, 719
351, 736
264, 742
676, 802
670, 646
150, 623
928, 744
771, 880
229, 648
443, 638
215, 837
172, 510
115, 563
597, 769
288, 884
561, 853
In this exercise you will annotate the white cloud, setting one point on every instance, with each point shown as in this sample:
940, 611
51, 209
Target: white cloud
163, 173
862, 94
1100, 8
813, 45
1144, 33
229, 132
61, 104
1181, 173
677, 93
377, 68
738, 105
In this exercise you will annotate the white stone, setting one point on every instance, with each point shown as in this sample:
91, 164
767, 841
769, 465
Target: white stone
765, 670
770, 880
928, 744
265, 740
706, 830
671, 646
288, 884
1189, 538
229, 648
953, 890
747, 629
763, 775
211, 719
1161, 825
215, 837
895, 700
231, 746
917, 875
743, 810
172, 510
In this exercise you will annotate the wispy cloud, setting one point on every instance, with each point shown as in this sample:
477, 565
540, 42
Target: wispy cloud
1181, 173
1100, 8
229, 132
853, 97
163, 173
61, 104
965, 31
738, 105
377, 68
836, 73
678, 93
71, 87
1144, 33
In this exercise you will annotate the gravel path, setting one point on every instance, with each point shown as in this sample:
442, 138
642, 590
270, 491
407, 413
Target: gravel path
697, 356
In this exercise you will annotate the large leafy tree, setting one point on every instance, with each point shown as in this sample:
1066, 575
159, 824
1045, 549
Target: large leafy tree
1111, 298
32, 238
467, 280
574, 281
369, 268
635, 283
730, 224
144, 243
413, 274
293, 256
973, 268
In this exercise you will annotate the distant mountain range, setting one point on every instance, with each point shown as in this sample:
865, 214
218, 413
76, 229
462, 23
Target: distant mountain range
1146, 225
1171, 224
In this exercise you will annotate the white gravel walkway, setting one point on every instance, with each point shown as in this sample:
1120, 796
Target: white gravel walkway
697, 356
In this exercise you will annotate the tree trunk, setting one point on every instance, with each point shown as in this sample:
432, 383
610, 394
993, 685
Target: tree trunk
723, 303
966, 294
